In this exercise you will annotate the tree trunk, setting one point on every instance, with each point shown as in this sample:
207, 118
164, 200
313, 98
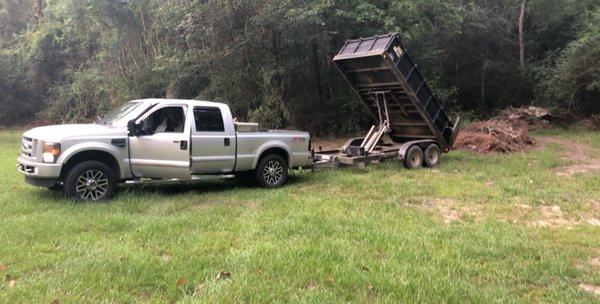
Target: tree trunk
39, 10
522, 34
317, 70
485, 62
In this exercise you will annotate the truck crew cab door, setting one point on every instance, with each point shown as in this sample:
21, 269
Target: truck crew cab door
213, 140
163, 148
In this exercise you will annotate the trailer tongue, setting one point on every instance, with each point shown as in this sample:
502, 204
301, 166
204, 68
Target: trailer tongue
411, 124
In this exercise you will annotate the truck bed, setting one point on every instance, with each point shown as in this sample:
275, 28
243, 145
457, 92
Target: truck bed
380, 67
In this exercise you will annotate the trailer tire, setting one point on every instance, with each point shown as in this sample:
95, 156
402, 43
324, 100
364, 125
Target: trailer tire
271, 171
432, 156
413, 158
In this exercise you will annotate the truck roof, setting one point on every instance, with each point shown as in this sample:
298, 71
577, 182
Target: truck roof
192, 102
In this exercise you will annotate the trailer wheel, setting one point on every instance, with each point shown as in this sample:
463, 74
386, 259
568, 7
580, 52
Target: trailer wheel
432, 156
413, 158
271, 171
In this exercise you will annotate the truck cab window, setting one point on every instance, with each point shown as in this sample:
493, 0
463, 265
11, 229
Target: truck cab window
165, 120
208, 119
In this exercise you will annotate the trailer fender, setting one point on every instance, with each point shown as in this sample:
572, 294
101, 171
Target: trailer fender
422, 143
356, 141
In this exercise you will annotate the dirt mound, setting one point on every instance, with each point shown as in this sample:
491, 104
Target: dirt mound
507, 133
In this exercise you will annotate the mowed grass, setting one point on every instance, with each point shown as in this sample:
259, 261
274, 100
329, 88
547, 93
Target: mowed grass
461, 233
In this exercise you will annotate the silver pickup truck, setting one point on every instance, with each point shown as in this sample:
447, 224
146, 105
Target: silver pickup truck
160, 140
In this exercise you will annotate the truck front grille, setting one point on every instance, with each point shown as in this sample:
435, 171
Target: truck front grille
28, 146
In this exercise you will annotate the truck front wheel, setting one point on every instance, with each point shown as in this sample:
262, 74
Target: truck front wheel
90, 181
271, 171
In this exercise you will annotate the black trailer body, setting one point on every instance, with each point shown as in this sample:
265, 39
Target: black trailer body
387, 81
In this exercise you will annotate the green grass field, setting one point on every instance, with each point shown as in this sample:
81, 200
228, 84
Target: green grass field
495, 228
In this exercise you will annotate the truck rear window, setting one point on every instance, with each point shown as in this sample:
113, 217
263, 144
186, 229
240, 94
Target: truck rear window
208, 119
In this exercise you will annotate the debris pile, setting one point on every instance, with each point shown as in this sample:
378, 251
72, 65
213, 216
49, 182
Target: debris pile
507, 133
531, 118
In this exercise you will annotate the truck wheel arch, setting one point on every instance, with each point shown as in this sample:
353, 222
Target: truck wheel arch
85, 155
273, 150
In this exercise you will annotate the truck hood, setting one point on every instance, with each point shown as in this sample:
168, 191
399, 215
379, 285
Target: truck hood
58, 133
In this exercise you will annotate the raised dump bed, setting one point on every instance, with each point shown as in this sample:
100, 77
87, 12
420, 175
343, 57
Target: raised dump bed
382, 74
390, 85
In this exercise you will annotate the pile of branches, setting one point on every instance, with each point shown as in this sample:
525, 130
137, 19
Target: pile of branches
507, 133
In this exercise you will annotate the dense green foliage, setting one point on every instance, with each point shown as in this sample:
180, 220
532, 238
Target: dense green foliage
69, 60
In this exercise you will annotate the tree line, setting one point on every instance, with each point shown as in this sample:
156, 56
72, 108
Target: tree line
270, 60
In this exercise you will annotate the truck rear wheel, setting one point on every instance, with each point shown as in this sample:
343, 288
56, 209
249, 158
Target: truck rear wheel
271, 171
432, 156
90, 181
413, 158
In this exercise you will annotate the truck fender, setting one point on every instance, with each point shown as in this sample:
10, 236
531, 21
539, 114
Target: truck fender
268, 145
423, 143
96, 146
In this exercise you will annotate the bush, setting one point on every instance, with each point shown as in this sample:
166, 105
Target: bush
574, 82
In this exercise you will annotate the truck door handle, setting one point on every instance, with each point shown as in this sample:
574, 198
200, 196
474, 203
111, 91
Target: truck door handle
226, 142
183, 145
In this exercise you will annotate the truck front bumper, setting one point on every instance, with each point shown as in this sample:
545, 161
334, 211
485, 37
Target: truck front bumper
39, 174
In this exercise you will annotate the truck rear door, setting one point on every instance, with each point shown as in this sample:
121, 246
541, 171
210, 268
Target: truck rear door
163, 150
213, 140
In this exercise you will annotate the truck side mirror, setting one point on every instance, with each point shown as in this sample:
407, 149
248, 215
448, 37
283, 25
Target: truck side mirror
133, 128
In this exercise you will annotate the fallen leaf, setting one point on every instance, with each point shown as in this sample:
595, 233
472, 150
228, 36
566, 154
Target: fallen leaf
2, 266
166, 256
330, 279
223, 275
181, 281
198, 288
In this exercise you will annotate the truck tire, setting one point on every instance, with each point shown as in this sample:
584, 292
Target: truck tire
90, 181
432, 156
271, 171
413, 158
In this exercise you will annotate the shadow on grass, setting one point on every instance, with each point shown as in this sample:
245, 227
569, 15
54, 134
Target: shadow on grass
170, 189
226, 185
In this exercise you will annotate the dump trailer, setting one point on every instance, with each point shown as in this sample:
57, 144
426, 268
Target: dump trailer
411, 125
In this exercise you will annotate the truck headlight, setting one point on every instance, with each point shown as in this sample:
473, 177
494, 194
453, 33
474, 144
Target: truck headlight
51, 152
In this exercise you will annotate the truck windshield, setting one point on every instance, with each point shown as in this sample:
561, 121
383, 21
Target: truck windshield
120, 116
